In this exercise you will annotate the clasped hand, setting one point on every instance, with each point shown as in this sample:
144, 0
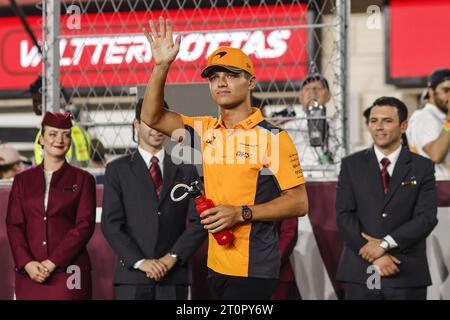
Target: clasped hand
157, 268
40, 271
385, 263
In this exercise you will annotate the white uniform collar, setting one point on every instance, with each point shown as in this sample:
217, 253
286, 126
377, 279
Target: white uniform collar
147, 156
435, 111
393, 157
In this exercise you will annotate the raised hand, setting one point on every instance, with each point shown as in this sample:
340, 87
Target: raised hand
164, 49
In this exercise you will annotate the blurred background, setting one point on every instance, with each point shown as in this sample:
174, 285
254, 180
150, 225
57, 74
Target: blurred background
364, 49
90, 58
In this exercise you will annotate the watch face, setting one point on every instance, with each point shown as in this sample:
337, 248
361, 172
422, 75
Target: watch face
247, 213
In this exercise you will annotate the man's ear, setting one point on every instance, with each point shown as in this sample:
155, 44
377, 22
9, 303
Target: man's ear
404, 126
252, 83
431, 95
136, 123
328, 96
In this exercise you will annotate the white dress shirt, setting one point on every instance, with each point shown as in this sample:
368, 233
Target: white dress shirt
309, 156
425, 126
393, 157
147, 156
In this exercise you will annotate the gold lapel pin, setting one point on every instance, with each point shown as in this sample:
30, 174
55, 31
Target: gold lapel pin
405, 183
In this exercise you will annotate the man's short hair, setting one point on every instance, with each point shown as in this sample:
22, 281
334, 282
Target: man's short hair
435, 78
139, 108
402, 110
315, 77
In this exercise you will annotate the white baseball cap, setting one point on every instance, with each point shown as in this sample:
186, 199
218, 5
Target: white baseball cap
9, 155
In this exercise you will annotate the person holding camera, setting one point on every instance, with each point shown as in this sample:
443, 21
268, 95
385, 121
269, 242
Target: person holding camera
308, 126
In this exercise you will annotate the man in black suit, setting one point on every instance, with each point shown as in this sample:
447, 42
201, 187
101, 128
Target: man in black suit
386, 206
145, 228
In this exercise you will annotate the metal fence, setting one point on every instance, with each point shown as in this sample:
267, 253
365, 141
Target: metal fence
96, 51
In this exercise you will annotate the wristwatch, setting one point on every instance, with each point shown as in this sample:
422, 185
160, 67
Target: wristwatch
173, 255
247, 213
384, 245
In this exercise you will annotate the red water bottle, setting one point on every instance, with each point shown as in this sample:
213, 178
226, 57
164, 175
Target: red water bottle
202, 203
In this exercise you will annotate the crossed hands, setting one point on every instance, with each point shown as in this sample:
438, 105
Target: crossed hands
40, 271
385, 263
157, 268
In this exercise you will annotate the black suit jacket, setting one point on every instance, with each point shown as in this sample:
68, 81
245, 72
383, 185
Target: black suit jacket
139, 226
407, 212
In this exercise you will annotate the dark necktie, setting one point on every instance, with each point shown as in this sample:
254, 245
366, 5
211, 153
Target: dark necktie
155, 172
385, 174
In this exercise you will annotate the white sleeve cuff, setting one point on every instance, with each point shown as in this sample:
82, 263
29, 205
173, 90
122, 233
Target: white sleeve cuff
391, 241
137, 264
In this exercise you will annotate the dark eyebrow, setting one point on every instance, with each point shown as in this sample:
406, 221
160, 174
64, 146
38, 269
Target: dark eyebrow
56, 131
383, 118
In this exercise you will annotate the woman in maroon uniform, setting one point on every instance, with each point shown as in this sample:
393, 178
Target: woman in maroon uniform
50, 219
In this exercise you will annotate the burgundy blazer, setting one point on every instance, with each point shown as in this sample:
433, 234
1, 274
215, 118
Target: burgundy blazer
60, 234
288, 231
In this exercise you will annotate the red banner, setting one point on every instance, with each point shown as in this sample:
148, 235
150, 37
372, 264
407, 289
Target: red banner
419, 40
109, 49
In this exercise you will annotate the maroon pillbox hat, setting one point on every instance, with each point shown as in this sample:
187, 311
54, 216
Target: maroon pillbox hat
58, 120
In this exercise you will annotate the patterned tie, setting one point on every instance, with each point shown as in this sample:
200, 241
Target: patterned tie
385, 174
155, 172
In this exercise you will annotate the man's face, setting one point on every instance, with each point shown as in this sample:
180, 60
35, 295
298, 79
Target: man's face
148, 136
229, 89
440, 96
384, 126
314, 90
